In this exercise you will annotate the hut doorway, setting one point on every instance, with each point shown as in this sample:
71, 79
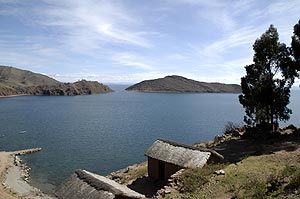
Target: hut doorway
161, 170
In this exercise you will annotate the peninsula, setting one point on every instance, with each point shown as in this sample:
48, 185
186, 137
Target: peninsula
178, 84
14, 177
14, 81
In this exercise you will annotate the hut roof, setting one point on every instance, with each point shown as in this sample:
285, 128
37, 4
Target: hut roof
84, 184
180, 154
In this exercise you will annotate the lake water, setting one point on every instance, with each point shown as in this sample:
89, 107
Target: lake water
106, 132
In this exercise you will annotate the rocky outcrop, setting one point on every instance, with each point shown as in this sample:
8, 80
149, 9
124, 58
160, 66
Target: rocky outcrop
15, 81
174, 183
82, 87
178, 84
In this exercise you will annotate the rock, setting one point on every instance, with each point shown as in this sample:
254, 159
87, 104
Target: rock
291, 126
219, 138
167, 190
127, 170
236, 133
220, 172
115, 177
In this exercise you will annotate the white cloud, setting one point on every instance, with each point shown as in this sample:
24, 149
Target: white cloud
215, 37
138, 77
22, 60
219, 17
81, 25
211, 3
240, 7
176, 56
110, 78
228, 55
132, 60
284, 15
213, 11
241, 37
94, 22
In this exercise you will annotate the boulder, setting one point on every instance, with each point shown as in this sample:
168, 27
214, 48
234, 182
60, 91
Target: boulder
220, 172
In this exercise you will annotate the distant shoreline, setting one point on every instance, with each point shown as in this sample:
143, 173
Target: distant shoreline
177, 92
7, 96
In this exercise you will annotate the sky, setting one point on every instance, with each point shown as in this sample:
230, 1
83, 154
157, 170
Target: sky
127, 41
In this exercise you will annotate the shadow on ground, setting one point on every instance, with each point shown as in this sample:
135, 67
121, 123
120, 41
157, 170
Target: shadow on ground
146, 186
238, 149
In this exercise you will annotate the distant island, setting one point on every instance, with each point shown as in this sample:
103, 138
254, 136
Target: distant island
178, 84
14, 81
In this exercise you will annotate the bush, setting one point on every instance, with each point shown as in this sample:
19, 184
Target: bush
258, 190
294, 173
253, 189
230, 127
193, 179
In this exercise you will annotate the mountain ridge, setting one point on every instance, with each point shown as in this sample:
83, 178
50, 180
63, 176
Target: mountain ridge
179, 84
14, 81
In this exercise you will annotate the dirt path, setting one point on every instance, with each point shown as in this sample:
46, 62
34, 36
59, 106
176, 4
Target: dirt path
6, 159
10, 175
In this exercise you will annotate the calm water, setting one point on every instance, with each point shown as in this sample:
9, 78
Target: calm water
106, 132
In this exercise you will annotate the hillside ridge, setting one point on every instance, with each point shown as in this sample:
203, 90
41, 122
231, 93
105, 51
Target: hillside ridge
14, 81
179, 84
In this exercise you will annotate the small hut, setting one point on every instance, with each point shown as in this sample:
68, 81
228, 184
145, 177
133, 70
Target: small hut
83, 184
167, 157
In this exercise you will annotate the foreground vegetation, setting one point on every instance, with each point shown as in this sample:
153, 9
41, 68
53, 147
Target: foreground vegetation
266, 176
268, 167
264, 168
267, 83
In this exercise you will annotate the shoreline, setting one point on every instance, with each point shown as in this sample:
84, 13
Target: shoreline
14, 177
8, 96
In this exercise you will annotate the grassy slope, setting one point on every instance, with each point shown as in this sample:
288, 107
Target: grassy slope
128, 175
14, 81
273, 171
23, 78
266, 176
182, 84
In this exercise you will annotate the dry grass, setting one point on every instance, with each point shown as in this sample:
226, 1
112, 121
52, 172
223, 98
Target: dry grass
266, 176
128, 175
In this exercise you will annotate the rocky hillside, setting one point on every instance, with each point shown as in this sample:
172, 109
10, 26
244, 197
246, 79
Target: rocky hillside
181, 84
252, 168
15, 81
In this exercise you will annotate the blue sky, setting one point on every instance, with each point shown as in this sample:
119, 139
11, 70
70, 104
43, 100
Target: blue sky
126, 41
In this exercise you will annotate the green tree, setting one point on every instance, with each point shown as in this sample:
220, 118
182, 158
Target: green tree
266, 86
296, 46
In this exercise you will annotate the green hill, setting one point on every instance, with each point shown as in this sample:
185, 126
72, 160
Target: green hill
14, 81
22, 78
180, 84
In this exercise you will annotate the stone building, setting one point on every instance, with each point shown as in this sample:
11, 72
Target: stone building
166, 157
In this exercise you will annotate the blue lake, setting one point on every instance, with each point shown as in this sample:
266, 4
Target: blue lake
103, 133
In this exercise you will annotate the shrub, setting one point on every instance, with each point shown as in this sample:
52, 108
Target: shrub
193, 179
259, 190
294, 173
230, 127
253, 189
